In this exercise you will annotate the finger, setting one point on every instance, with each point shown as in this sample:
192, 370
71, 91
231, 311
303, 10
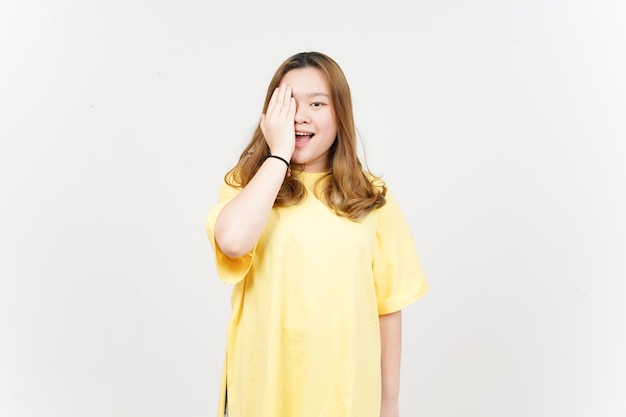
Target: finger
262, 123
286, 102
280, 100
291, 113
272, 103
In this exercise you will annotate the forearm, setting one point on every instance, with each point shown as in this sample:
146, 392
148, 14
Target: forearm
242, 220
391, 346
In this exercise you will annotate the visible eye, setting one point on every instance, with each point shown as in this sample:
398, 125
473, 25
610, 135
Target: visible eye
317, 104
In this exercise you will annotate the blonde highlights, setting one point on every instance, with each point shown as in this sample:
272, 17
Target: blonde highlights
347, 188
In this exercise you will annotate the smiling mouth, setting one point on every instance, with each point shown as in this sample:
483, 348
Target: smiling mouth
303, 137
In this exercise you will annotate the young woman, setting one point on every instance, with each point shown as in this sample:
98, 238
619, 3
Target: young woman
320, 256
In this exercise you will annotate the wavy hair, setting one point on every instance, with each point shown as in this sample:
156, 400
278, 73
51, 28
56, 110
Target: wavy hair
347, 188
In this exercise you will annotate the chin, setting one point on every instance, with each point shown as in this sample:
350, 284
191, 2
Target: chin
299, 159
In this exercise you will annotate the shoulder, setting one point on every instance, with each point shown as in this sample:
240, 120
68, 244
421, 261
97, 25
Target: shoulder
229, 187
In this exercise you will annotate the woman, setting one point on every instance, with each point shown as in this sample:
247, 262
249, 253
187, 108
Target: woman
320, 256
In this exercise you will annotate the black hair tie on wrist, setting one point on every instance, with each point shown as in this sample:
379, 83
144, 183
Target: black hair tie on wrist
282, 159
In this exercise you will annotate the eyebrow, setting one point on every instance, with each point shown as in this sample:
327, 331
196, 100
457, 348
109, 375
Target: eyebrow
313, 94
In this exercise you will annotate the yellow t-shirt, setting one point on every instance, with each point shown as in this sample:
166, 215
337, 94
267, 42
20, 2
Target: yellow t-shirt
303, 338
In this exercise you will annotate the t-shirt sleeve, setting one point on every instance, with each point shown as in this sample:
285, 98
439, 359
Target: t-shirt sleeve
230, 270
398, 276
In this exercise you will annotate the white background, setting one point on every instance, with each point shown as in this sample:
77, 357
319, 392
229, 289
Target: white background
499, 125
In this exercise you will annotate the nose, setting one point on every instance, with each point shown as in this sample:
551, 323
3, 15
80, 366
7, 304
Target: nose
301, 114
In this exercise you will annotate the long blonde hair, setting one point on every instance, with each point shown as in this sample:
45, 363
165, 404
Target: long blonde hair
347, 188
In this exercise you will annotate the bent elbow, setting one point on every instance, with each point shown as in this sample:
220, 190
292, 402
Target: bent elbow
232, 248
233, 239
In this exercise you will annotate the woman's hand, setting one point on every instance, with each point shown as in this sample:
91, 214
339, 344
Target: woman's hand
389, 408
277, 124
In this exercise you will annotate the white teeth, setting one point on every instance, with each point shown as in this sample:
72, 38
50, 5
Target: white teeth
303, 134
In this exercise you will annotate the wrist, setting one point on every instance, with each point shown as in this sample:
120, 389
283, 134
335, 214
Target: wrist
389, 397
281, 160
389, 408
283, 152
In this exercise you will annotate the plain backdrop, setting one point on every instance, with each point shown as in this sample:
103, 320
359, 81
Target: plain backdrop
499, 125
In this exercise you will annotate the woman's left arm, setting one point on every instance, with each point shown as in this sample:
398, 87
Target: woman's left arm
391, 346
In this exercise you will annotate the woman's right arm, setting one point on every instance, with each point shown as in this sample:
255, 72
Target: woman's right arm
242, 220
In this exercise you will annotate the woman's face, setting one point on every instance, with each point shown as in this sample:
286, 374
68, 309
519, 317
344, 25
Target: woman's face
315, 124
